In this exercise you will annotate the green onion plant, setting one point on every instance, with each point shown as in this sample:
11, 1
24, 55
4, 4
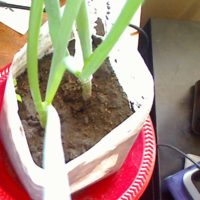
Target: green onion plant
61, 25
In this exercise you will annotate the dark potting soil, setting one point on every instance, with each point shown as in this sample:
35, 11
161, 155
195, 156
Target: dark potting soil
83, 123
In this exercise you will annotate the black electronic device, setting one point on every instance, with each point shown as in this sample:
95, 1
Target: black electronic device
196, 109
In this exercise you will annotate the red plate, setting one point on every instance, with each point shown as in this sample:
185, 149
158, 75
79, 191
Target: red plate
127, 184
4, 72
132, 179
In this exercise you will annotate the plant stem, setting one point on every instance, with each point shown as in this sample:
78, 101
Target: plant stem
86, 89
32, 58
63, 36
54, 18
56, 182
83, 27
102, 51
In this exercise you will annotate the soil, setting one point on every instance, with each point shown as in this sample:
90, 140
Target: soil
83, 123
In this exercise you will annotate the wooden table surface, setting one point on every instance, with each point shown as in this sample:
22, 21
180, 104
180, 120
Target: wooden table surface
10, 43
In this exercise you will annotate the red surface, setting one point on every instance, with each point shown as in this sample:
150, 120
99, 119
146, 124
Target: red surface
4, 72
10, 187
128, 183
133, 177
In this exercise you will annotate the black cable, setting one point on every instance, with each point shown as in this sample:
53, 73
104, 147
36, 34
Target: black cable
140, 30
8, 5
181, 152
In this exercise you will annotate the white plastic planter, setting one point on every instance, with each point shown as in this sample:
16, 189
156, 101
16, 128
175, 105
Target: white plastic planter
108, 154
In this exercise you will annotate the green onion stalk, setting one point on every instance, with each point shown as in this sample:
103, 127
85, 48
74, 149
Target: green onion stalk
61, 25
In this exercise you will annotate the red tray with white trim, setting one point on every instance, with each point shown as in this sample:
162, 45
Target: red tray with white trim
133, 177
128, 183
4, 72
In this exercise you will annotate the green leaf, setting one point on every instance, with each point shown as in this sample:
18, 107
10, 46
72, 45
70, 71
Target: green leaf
54, 18
19, 98
102, 51
83, 28
32, 57
63, 36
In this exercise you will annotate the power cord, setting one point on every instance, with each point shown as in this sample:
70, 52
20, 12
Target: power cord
140, 30
9, 5
180, 152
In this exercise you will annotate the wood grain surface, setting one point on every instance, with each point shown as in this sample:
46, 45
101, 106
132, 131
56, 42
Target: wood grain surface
10, 43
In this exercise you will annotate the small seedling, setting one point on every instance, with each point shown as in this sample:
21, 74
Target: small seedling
19, 98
